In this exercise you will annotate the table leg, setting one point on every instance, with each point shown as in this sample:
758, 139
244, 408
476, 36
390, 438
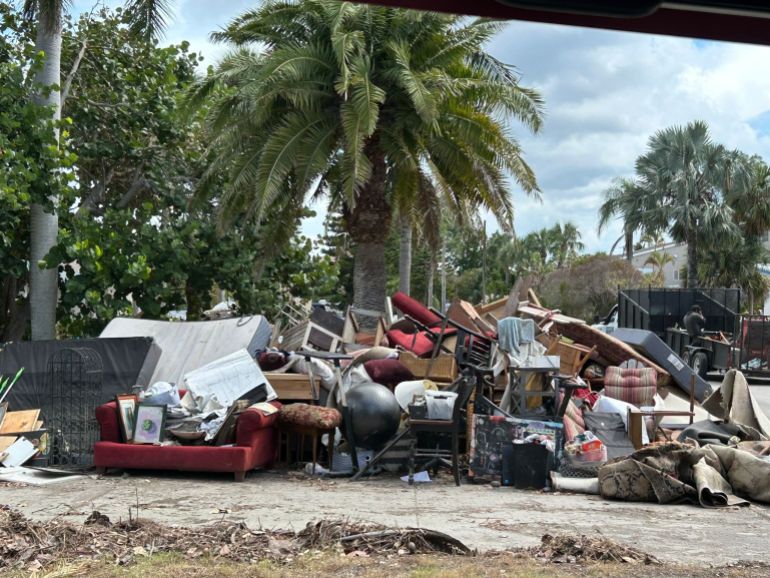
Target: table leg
315, 449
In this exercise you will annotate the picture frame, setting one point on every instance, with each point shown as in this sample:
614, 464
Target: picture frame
126, 409
149, 423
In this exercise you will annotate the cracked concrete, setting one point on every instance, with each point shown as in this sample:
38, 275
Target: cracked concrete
481, 516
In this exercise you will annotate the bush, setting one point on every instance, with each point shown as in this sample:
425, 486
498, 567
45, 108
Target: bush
589, 287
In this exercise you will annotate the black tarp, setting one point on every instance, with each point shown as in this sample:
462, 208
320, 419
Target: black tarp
126, 361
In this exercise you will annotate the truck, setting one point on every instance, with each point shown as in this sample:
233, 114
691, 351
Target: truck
730, 339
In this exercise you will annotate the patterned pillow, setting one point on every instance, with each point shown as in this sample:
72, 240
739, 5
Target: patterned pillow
306, 415
636, 386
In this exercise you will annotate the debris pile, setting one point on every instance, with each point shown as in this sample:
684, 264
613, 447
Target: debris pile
582, 549
33, 545
376, 539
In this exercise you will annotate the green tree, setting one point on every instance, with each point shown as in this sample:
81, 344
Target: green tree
146, 16
658, 260
681, 186
133, 244
731, 260
566, 243
588, 287
359, 103
29, 156
622, 200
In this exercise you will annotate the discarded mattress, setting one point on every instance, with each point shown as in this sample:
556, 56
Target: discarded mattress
189, 345
656, 349
125, 361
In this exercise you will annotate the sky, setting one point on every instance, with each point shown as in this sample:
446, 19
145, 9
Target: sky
606, 93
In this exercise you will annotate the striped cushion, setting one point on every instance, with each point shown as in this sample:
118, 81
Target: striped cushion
637, 386
574, 413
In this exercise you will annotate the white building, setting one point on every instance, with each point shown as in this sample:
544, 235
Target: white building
671, 270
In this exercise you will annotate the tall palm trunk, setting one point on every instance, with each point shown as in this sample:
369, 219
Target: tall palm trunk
431, 277
369, 225
443, 277
405, 256
44, 226
692, 261
629, 233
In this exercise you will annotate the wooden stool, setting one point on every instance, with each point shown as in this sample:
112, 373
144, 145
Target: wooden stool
303, 431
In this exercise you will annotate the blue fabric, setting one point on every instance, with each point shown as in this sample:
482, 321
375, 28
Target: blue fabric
513, 332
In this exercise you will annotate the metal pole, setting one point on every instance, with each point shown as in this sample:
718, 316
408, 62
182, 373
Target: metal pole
692, 398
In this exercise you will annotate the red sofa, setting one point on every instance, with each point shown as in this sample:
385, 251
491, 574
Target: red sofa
256, 446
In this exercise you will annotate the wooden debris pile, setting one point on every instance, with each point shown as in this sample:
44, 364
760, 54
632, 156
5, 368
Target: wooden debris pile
374, 539
564, 549
34, 545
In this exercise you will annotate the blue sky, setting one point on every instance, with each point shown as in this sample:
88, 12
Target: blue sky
605, 93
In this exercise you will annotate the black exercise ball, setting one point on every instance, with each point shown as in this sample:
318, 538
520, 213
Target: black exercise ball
374, 414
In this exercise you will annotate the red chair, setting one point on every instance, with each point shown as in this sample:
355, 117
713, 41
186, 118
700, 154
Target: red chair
421, 331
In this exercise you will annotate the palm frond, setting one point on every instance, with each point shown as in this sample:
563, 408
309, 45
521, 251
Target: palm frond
148, 18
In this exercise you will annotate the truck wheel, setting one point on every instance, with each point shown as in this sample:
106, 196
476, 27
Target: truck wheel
700, 363
686, 357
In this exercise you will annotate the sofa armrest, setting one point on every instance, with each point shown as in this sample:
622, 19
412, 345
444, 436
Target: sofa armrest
109, 428
252, 421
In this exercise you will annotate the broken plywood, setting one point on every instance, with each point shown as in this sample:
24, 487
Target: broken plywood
20, 421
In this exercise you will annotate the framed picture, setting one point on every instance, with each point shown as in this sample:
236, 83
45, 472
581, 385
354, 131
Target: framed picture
149, 422
126, 410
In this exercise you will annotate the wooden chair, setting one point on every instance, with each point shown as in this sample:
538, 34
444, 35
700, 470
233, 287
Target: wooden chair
572, 356
452, 427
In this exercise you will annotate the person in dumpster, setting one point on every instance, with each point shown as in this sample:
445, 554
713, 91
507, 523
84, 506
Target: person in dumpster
695, 322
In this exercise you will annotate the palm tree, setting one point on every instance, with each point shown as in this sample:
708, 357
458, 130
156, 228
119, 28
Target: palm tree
567, 243
541, 243
681, 185
684, 179
418, 211
148, 17
359, 103
732, 260
658, 260
621, 200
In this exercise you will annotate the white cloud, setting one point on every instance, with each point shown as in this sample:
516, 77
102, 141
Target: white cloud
605, 92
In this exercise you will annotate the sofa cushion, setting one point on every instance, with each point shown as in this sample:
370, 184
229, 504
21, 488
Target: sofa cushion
418, 343
185, 458
415, 309
306, 415
636, 386
388, 371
